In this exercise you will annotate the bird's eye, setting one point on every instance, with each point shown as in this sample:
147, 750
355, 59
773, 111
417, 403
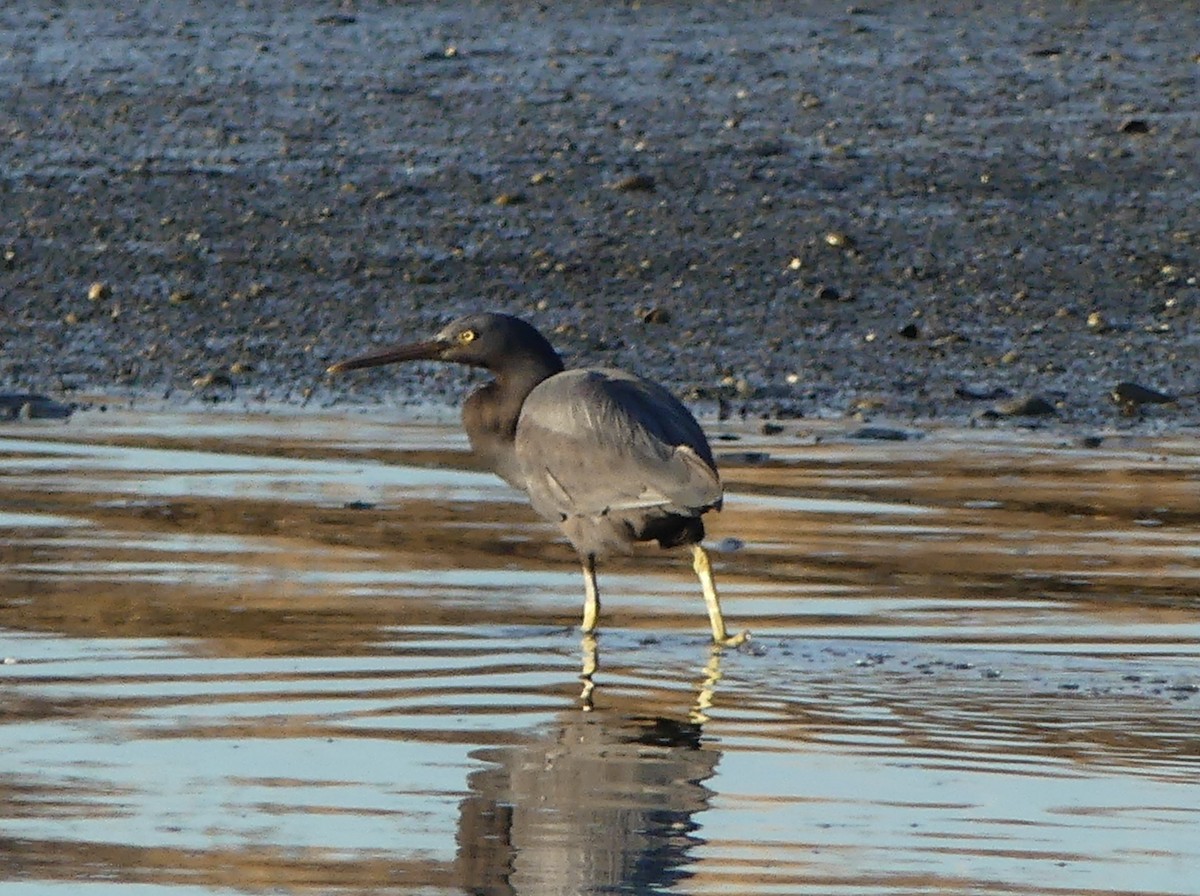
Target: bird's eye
466, 336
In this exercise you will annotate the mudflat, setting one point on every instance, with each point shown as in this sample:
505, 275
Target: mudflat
796, 209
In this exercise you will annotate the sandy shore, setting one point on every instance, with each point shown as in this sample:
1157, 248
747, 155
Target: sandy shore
880, 209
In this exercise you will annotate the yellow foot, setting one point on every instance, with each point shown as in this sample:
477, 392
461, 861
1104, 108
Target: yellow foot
733, 640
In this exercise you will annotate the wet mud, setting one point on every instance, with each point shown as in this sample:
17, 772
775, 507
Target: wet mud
320, 653
883, 209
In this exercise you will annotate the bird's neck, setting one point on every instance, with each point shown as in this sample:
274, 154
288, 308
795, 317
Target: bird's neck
491, 412
514, 382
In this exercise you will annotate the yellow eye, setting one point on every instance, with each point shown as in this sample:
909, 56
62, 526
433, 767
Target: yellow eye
466, 336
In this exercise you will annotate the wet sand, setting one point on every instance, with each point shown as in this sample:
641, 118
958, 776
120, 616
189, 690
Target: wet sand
319, 653
850, 210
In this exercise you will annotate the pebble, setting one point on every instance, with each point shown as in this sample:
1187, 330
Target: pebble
635, 183
214, 379
98, 291
745, 458
1131, 396
25, 406
1023, 406
881, 434
977, 392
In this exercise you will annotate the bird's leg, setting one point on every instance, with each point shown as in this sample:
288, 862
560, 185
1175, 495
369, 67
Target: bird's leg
591, 601
703, 567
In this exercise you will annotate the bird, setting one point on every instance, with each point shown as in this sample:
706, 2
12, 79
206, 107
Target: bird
611, 457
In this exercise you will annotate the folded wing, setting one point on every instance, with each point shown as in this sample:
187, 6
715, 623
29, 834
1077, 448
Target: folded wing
615, 458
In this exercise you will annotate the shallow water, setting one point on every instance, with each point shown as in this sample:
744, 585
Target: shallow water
304, 653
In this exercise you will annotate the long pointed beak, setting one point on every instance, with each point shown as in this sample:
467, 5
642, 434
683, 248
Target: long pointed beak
413, 351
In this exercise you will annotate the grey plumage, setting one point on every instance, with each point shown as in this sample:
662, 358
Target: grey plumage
615, 459
611, 457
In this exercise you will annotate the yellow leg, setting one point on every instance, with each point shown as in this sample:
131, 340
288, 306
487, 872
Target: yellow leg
703, 567
591, 601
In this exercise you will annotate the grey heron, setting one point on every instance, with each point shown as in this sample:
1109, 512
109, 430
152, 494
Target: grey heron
612, 458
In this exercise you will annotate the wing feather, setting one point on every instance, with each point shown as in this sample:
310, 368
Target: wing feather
592, 442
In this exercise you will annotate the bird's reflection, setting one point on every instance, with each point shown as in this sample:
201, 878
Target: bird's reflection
704, 696
604, 804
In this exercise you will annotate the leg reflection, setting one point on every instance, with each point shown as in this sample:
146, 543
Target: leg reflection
591, 662
706, 691
708, 687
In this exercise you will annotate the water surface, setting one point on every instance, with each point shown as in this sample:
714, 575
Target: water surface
304, 653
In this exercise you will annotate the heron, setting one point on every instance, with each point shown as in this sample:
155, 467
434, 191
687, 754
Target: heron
611, 457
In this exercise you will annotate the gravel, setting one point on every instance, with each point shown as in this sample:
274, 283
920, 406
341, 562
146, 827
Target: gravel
789, 208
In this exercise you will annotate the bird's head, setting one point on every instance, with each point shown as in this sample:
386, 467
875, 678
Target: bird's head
495, 341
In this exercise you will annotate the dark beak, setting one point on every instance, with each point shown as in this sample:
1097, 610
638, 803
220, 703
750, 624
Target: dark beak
413, 351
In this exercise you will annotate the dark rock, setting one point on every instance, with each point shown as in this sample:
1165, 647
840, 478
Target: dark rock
1131, 396
1023, 406
744, 458
787, 412
19, 406
910, 331
977, 392
770, 429
1135, 126
881, 434
635, 183
215, 380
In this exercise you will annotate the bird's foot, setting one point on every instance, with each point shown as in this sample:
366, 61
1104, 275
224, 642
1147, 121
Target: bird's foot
733, 640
